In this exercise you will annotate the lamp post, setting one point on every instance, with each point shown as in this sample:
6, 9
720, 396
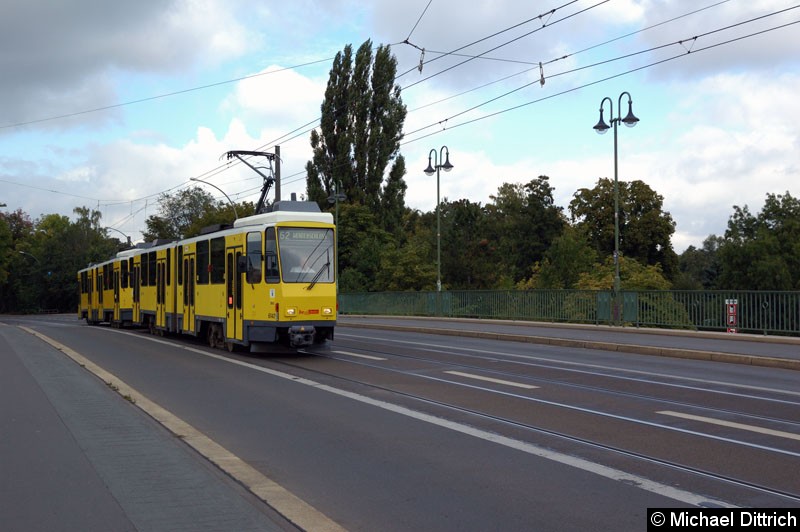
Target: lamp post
335, 198
429, 171
120, 232
601, 127
235, 214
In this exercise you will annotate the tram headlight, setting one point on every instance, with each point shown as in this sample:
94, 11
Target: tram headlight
291, 311
327, 311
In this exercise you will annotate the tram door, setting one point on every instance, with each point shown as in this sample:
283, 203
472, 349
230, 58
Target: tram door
161, 292
116, 292
188, 292
233, 283
137, 292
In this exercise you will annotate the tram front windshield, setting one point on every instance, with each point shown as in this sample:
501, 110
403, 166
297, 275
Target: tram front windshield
306, 254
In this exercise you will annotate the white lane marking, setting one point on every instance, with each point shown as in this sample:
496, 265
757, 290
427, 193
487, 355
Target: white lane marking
450, 349
526, 398
489, 379
732, 424
529, 448
350, 354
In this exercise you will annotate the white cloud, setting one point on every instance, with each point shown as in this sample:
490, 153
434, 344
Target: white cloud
278, 96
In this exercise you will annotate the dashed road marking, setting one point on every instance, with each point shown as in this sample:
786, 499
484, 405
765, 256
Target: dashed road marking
489, 379
732, 424
351, 354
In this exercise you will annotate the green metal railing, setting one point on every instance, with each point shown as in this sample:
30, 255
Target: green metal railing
744, 311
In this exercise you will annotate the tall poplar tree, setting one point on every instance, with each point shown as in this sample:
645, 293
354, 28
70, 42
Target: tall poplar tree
359, 135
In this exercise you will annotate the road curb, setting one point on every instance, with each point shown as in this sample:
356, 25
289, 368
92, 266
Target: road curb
291, 507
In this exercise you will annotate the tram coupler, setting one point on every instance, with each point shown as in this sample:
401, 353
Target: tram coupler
301, 335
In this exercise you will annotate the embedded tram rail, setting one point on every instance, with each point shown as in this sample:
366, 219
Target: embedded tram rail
790, 497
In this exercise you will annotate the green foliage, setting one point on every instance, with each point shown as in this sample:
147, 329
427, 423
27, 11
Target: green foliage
40, 259
177, 212
469, 258
633, 276
522, 221
361, 244
645, 229
570, 256
762, 252
359, 135
699, 268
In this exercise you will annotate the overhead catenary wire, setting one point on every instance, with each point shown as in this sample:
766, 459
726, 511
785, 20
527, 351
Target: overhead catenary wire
673, 43
287, 137
573, 89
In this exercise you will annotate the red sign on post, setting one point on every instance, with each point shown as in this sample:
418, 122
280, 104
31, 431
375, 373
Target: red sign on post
732, 307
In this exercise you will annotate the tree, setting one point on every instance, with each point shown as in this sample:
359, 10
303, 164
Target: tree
570, 256
645, 229
468, 256
523, 221
633, 276
359, 135
177, 212
762, 252
699, 268
361, 245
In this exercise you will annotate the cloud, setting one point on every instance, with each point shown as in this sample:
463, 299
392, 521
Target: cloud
277, 96
66, 60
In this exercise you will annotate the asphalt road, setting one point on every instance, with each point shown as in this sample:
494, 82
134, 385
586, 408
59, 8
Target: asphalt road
391, 430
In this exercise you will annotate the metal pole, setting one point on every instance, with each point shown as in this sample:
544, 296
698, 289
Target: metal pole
277, 174
616, 212
438, 235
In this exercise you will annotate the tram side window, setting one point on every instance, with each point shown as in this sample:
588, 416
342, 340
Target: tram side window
253, 258
130, 270
273, 275
218, 260
124, 273
151, 268
169, 266
143, 277
178, 265
202, 262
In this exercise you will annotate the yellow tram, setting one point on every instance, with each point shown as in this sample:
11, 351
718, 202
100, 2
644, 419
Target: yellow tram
270, 278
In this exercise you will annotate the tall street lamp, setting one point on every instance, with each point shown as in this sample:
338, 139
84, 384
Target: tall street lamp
235, 214
429, 171
335, 198
601, 127
120, 232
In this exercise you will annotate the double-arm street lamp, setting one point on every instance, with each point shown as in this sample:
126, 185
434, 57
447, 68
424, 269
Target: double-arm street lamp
429, 171
235, 214
630, 120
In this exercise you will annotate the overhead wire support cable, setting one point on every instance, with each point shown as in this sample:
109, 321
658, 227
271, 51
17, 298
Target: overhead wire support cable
504, 44
573, 89
488, 36
667, 45
159, 96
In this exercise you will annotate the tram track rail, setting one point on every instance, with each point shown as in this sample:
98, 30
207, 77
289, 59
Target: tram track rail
606, 390
789, 497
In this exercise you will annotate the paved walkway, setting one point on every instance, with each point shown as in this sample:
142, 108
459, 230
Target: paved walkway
74, 455
755, 350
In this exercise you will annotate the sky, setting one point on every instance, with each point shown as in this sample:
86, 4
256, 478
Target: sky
108, 105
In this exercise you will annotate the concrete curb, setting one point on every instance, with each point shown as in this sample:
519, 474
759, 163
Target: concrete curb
291, 507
